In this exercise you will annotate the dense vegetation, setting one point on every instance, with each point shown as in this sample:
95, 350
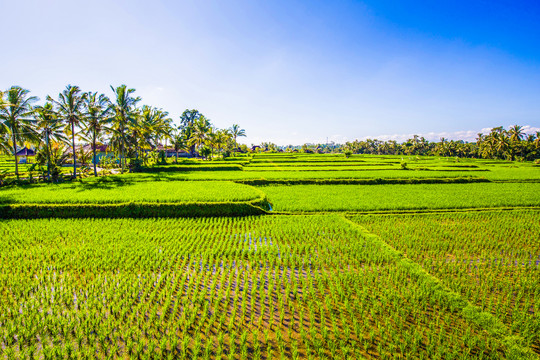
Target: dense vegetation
135, 137
365, 256
131, 133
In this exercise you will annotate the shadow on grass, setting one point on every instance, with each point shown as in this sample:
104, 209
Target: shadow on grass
104, 183
6, 200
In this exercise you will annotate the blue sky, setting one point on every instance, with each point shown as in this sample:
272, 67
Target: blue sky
292, 71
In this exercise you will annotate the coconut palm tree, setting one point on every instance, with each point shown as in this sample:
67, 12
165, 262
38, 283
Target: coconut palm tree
98, 117
50, 128
142, 129
162, 126
16, 118
236, 132
221, 138
4, 136
187, 121
125, 113
179, 143
200, 130
70, 108
516, 133
537, 140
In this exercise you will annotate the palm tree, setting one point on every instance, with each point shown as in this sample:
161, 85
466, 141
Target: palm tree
502, 143
70, 107
516, 133
16, 118
221, 138
143, 128
162, 126
98, 116
187, 121
4, 136
125, 113
237, 132
200, 130
179, 142
50, 127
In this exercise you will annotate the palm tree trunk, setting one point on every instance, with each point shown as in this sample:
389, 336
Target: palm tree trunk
122, 150
74, 155
15, 153
48, 156
94, 150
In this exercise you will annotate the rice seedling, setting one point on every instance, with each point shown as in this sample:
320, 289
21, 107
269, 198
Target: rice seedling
492, 258
183, 288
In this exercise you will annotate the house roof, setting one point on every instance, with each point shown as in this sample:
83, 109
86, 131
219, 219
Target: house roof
99, 148
25, 152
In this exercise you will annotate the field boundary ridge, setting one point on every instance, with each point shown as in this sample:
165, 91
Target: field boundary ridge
258, 206
373, 181
483, 319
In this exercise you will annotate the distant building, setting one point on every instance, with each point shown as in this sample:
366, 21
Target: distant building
23, 153
101, 151
170, 152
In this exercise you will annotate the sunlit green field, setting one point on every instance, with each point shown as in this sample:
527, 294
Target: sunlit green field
401, 197
264, 287
105, 192
372, 257
492, 258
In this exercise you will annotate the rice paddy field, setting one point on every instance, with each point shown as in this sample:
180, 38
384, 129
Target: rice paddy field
309, 257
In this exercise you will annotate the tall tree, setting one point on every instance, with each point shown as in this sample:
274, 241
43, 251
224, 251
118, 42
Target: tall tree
162, 126
187, 123
4, 136
50, 129
179, 143
98, 116
125, 113
221, 138
70, 108
199, 135
16, 118
237, 132
516, 133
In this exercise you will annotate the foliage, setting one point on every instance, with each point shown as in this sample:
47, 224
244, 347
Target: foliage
16, 121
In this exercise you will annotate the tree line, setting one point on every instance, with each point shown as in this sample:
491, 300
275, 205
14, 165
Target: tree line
511, 144
128, 130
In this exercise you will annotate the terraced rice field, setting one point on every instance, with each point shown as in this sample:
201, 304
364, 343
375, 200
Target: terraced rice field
370, 261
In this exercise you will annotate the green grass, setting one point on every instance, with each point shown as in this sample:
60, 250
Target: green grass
401, 197
107, 191
256, 287
334, 285
491, 258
